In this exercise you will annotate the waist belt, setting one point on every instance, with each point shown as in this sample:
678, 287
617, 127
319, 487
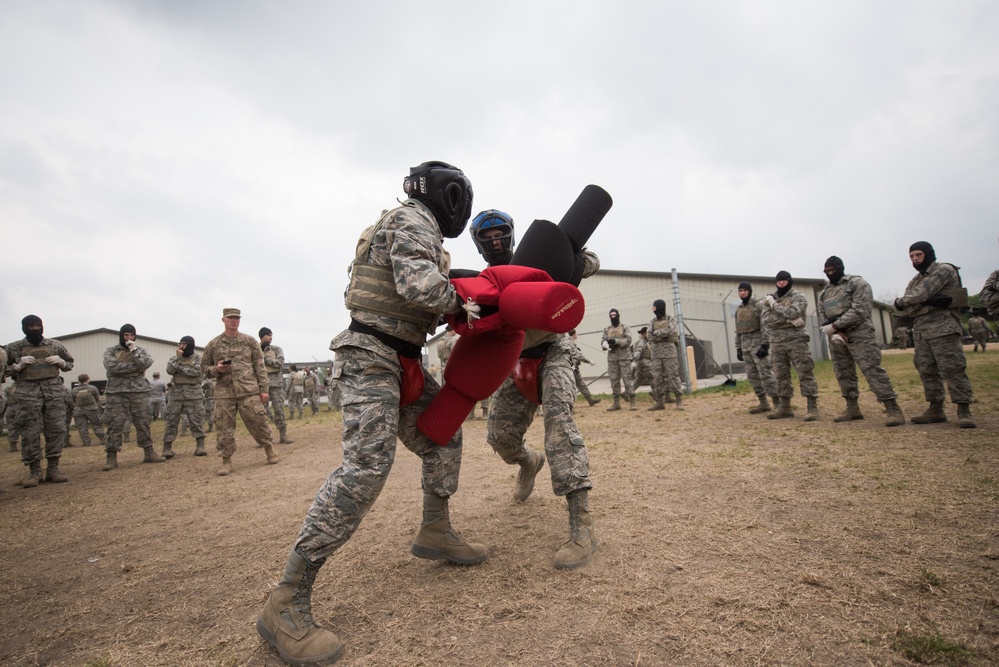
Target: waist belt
404, 348
536, 352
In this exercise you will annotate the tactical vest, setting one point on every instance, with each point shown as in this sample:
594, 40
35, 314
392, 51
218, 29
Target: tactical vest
38, 370
125, 356
615, 332
659, 325
372, 287
83, 397
185, 379
747, 319
837, 303
310, 383
271, 355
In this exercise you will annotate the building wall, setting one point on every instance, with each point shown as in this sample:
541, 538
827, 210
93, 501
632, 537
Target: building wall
88, 353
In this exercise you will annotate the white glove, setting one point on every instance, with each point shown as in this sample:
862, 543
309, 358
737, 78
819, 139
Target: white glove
770, 301
828, 329
27, 360
55, 360
798, 323
130, 344
605, 346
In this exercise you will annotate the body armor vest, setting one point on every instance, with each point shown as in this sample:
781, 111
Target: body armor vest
747, 320
38, 371
125, 356
83, 397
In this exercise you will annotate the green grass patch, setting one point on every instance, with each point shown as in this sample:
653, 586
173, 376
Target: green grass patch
930, 649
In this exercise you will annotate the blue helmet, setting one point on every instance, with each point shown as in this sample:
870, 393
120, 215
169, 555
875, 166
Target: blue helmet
493, 220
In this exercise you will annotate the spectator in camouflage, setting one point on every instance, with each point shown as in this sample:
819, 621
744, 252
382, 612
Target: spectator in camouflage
784, 319
157, 397
87, 413
311, 384
664, 340
127, 395
296, 392
274, 363
978, 329
579, 358
752, 347
186, 397
616, 342
641, 362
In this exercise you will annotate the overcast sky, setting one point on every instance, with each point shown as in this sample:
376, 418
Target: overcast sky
162, 160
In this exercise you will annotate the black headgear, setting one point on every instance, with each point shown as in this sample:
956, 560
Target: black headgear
125, 328
189, 348
659, 308
835, 263
784, 275
615, 317
34, 337
744, 285
264, 331
445, 190
931, 255
643, 330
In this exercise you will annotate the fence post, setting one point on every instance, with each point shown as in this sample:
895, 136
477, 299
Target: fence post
678, 309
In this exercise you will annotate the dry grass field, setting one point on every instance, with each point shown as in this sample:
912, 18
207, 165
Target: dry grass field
726, 539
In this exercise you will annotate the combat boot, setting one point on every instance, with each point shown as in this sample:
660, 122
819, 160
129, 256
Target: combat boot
783, 411
895, 416
616, 406
437, 540
582, 538
211, 427
168, 450
529, 469
34, 475
485, 412
964, 416
679, 400
52, 473
13, 447
199, 446
764, 406
112, 461
226, 467
852, 411
151, 456
633, 401
284, 440
934, 414
813, 409
658, 406
592, 401
286, 620
271, 456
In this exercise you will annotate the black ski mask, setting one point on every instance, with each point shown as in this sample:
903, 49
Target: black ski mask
125, 328
836, 263
34, 337
659, 308
188, 346
784, 275
615, 317
930, 255
749, 288
264, 331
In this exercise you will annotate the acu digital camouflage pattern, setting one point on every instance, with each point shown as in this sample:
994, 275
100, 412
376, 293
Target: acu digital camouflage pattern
849, 305
789, 344
127, 395
750, 336
86, 398
619, 360
39, 404
186, 396
274, 363
978, 329
664, 340
989, 296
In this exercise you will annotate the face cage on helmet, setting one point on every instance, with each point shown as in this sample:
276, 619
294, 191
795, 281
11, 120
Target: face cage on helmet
492, 219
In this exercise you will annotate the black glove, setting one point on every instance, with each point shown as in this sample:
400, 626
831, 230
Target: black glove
899, 305
763, 351
612, 343
462, 273
939, 301
738, 354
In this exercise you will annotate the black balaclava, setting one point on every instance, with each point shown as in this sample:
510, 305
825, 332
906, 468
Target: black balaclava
34, 337
615, 317
931, 255
784, 275
189, 348
749, 288
264, 331
125, 328
659, 308
836, 263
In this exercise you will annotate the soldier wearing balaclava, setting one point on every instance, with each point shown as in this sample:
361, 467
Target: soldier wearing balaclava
844, 308
752, 346
186, 397
127, 395
664, 339
616, 342
274, 363
933, 299
784, 320
36, 363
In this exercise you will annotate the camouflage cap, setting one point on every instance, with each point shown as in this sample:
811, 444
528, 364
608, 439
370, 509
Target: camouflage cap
231, 312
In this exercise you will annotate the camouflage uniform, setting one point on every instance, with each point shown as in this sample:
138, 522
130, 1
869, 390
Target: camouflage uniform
989, 296
70, 405
87, 400
332, 392
577, 358
274, 363
40, 403
444, 347
296, 393
936, 332
237, 390
10, 416
186, 396
978, 329
664, 341
789, 344
369, 373
848, 306
209, 390
127, 395
157, 398
312, 391
750, 336
900, 338
641, 365
619, 360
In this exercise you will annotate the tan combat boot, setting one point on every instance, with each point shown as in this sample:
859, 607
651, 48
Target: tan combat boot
592, 401
852, 411
485, 412
437, 540
112, 460
964, 416
284, 439
633, 401
271, 456
764, 406
582, 538
199, 446
934, 414
286, 620
226, 468
813, 409
34, 475
660, 405
151, 456
168, 450
679, 400
783, 411
616, 406
895, 416
529, 469
52, 473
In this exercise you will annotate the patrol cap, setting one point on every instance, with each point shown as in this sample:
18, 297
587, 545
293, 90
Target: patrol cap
231, 312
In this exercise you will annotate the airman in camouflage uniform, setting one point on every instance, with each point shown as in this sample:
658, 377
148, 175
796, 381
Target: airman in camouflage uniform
236, 362
936, 331
186, 397
36, 362
900, 337
398, 290
844, 308
332, 392
641, 362
311, 385
578, 358
664, 339
752, 346
274, 363
127, 395
978, 329
157, 397
616, 342
87, 400
296, 392
68, 398
784, 320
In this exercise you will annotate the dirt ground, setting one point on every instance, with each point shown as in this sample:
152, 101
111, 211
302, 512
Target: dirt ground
726, 539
